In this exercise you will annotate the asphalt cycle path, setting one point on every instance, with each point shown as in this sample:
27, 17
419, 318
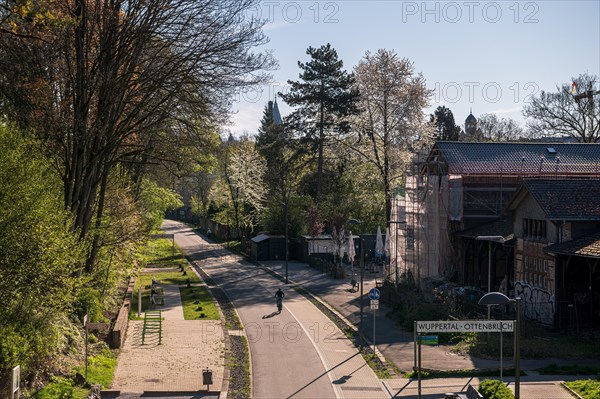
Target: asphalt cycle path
297, 353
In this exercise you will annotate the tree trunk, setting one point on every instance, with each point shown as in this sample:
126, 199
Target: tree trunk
91, 261
320, 161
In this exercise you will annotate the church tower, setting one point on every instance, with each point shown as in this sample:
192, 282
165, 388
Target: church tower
471, 125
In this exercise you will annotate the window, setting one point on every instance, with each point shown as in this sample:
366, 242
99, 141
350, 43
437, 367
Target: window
534, 229
535, 271
410, 237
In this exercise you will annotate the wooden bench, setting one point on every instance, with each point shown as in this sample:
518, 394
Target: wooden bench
354, 285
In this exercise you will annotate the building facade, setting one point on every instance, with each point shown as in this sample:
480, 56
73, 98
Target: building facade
454, 225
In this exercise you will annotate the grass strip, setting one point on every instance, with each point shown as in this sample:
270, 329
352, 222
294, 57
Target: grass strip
587, 389
158, 252
572, 369
239, 365
198, 304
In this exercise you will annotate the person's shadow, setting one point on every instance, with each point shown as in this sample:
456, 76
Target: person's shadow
271, 315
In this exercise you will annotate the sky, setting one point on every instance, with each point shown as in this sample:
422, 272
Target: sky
488, 56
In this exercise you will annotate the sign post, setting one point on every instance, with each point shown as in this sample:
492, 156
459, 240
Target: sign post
374, 295
477, 326
140, 301
465, 326
85, 320
501, 353
16, 382
419, 369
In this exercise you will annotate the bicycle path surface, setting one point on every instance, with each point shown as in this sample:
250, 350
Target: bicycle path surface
293, 353
298, 353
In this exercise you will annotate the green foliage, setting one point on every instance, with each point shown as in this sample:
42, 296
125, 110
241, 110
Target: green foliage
39, 257
89, 301
415, 374
101, 368
413, 306
494, 389
273, 218
60, 388
587, 389
156, 201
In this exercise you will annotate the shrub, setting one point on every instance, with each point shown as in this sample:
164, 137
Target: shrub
494, 389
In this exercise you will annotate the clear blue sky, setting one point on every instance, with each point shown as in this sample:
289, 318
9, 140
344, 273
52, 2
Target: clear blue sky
485, 55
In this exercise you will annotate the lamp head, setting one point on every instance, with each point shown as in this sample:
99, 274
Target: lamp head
495, 298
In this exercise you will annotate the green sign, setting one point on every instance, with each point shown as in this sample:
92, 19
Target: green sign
429, 340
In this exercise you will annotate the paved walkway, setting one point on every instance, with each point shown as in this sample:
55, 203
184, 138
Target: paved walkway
298, 353
175, 365
280, 343
546, 387
397, 345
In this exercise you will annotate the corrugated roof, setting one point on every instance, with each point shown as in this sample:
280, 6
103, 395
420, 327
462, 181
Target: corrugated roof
585, 246
520, 158
263, 237
566, 199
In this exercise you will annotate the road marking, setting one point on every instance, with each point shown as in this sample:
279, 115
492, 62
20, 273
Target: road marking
242, 271
336, 388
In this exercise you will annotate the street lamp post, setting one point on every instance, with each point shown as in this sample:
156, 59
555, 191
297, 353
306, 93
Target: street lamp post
498, 298
490, 239
287, 250
362, 275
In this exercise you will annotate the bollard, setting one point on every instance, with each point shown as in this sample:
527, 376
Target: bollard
207, 378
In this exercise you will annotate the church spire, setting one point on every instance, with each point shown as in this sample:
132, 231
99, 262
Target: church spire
276, 115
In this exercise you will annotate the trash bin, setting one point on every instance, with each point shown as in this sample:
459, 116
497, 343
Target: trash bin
207, 377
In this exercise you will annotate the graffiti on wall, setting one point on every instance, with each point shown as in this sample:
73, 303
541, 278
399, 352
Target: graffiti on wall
537, 303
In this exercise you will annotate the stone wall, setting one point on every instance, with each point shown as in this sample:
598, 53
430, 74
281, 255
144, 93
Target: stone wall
117, 335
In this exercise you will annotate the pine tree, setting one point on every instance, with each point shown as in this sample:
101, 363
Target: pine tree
446, 128
272, 143
324, 97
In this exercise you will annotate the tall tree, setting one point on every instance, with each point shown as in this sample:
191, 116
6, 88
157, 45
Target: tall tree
271, 141
286, 162
445, 126
498, 129
325, 97
392, 98
573, 111
244, 169
99, 86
